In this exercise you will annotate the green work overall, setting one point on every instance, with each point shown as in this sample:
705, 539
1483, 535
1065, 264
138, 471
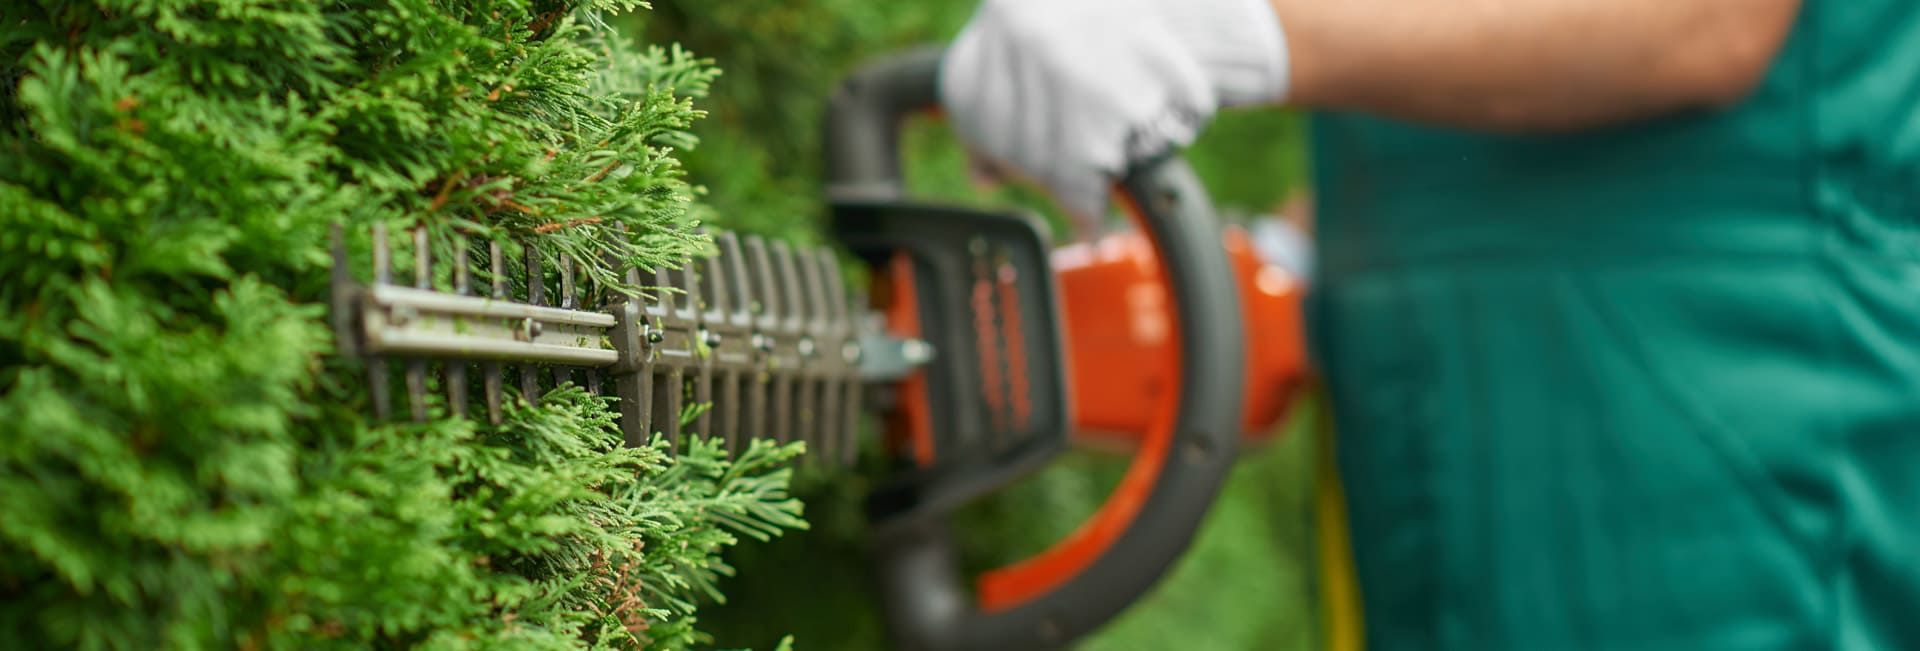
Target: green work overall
1647, 387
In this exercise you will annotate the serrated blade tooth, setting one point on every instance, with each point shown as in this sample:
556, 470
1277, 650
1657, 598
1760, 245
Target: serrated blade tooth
417, 369
640, 400
854, 397
759, 270
536, 295
788, 328
663, 290
699, 297
594, 298
669, 401
731, 296
813, 297
833, 319
565, 374
567, 283
497, 284
457, 370
377, 383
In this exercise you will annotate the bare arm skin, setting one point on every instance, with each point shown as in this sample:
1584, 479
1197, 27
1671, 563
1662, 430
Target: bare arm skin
1529, 65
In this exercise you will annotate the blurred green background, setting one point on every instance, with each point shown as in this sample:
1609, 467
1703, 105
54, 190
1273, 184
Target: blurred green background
1246, 583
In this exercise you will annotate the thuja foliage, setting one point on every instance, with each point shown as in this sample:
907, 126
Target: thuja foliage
183, 461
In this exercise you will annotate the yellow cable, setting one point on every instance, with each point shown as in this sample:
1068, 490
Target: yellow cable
1339, 588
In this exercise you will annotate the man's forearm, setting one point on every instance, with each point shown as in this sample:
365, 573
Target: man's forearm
1524, 65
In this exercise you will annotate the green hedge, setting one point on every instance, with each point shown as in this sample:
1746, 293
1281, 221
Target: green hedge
184, 464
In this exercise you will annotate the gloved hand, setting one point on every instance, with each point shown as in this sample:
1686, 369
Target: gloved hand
1069, 93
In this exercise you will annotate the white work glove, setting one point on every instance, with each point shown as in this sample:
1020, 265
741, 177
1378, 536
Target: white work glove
1070, 93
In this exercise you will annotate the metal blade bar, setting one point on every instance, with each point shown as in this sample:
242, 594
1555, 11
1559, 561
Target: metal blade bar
405, 322
478, 345
762, 336
476, 308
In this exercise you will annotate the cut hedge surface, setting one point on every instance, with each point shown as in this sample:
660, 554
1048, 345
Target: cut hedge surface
184, 464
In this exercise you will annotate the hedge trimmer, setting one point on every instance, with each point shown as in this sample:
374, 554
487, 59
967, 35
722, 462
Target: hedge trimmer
983, 353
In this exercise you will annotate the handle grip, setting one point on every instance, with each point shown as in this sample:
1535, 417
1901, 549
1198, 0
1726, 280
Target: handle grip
863, 123
1177, 470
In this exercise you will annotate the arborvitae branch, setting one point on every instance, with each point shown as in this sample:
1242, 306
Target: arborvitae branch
183, 461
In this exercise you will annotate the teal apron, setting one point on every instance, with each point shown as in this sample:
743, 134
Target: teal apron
1648, 387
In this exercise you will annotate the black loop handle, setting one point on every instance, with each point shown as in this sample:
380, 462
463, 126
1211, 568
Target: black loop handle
863, 123
928, 604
